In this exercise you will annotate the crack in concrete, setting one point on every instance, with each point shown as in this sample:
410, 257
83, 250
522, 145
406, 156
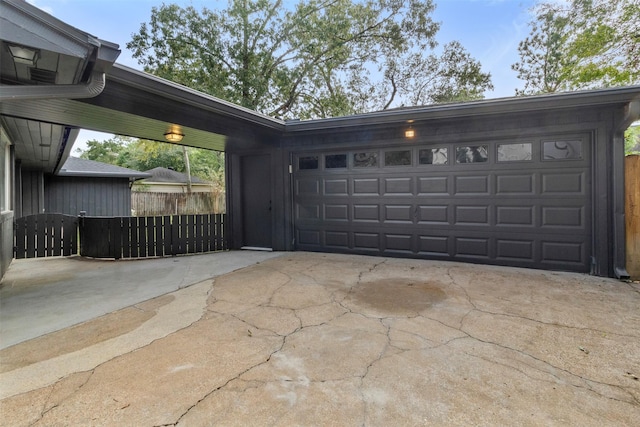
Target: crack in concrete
547, 363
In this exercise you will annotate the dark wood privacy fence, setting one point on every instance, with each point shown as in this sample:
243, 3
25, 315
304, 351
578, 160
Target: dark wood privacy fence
46, 235
156, 236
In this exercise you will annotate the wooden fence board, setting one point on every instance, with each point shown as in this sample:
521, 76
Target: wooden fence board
69, 236
219, 233
135, 249
167, 231
31, 237
128, 237
199, 237
55, 225
142, 237
115, 233
632, 214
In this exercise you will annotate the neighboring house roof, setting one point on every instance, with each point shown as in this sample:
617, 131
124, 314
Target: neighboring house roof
75, 166
164, 175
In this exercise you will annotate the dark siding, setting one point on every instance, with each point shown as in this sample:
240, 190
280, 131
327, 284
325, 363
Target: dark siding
32, 192
95, 196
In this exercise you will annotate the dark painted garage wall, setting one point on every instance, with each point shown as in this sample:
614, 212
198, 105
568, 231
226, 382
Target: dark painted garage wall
587, 251
95, 196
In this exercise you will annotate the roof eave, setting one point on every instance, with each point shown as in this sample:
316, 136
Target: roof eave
154, 84
619, 95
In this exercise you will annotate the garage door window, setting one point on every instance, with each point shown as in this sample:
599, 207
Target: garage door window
472, 154
562, 150
335, 161
365, 160
433, 156
397, 158
308, 162
514, 152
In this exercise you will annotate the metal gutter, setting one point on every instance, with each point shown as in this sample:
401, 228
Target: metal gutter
92, 88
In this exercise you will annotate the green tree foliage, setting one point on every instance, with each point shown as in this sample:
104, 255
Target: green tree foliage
105, 151
632, 140
581, 44
319, 58
143, 155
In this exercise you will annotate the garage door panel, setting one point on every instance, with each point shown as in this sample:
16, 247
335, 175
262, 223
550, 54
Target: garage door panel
366, 241
433, 214
570, 183
434, 245
515, 215
511, 185
307, 211
309, 237
399, 243
366, 186
336, 212
561, 253
397, 186
433, 185
307, 187
563, 216
520, 209
511, 249
399, 213
337, 239
369, 213
336, 187
475, 215
474, 184
471, 247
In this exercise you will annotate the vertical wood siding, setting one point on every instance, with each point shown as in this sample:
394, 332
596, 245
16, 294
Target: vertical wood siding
95, 196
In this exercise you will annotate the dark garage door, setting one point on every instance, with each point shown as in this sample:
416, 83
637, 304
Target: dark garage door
524, 202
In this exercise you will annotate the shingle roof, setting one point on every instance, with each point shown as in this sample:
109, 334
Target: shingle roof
75, 166
167, 175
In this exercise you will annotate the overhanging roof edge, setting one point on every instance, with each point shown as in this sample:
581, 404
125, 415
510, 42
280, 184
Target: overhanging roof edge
154, 84
618, 95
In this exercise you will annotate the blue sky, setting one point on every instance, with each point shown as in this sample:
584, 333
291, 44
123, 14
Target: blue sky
489, 29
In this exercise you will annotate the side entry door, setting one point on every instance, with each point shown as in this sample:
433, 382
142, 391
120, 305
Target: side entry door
256, 201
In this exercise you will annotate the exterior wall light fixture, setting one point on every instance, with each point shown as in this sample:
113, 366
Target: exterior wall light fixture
409, 133
174, 134
24, 55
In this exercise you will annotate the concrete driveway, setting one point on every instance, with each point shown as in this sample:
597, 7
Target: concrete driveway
320, 339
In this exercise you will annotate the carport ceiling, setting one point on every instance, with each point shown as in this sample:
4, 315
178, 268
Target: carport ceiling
140, 105
86, 116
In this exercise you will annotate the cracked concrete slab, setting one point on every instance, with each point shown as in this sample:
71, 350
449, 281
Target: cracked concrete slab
324, 339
